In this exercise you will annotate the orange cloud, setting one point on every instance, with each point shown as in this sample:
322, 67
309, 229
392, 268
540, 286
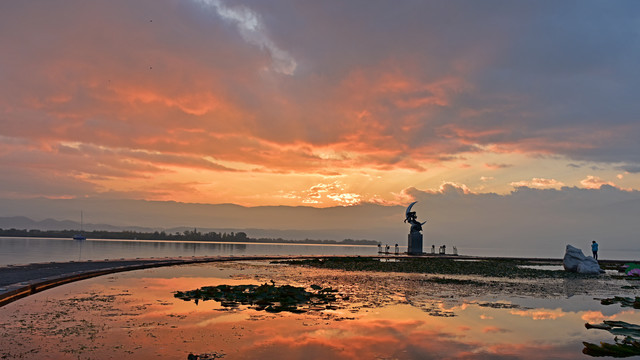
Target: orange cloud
497, 166
594, 182
334, 191
494, 330
540, 314
452, 187
209, 88
539, 183
539, 351
595, 317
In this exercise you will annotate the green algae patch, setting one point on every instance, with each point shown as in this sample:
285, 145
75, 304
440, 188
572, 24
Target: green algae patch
267, 297
439, 280
621, 348
623, 301
625, 347
482, 267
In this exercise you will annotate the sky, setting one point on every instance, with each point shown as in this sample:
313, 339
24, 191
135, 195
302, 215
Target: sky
317, 103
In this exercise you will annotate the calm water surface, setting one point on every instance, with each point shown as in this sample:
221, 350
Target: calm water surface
388, 316
34, 250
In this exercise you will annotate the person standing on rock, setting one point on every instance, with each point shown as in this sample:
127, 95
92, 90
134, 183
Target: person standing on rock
594, 249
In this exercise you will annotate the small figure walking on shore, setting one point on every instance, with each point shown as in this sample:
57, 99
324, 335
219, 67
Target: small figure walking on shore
594, 249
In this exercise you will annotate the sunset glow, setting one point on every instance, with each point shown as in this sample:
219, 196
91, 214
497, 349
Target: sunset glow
317, 104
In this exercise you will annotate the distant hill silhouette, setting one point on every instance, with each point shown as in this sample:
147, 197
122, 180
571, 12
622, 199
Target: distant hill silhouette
529, 221
23, 222
368, 221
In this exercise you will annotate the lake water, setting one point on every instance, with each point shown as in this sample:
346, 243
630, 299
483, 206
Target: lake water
134, 315
15, 251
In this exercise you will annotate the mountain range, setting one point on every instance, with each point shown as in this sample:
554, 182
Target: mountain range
525, 222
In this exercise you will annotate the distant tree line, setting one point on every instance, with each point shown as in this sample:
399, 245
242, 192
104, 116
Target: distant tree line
188, 235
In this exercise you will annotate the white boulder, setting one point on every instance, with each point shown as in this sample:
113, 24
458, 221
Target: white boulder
575, 261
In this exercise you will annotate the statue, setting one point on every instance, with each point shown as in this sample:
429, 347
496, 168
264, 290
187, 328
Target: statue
412, 219
415, 237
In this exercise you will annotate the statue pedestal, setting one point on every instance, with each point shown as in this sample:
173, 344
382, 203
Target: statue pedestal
415, 243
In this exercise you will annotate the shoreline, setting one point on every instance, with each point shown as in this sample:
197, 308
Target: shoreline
270, 242
18, 281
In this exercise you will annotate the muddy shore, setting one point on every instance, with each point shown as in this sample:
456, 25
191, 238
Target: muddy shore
17, 281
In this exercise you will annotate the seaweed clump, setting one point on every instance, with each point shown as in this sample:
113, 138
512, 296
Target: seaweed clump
511, 268
205, 356
628, 346
267, 297
623, 301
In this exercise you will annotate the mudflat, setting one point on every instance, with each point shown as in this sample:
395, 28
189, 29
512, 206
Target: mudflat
358, 307
17, 281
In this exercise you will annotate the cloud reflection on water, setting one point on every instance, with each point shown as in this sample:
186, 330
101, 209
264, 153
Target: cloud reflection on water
134, 315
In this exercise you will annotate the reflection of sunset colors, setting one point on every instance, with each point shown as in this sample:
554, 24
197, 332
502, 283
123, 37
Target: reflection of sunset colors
540, 314
596, 317
151, 323
262, 103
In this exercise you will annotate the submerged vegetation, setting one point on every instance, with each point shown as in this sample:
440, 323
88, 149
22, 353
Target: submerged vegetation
432, 265
625, 347
267, 297
623, 301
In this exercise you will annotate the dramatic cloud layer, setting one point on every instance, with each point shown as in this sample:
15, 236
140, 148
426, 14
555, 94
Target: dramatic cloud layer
321, 103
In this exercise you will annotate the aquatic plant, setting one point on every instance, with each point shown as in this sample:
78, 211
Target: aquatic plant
628, 346
623, 301
511, 268
439, 280
205, 356
267, 297
621, 348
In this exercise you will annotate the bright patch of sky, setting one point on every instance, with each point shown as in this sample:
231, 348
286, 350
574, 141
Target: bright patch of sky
251, 29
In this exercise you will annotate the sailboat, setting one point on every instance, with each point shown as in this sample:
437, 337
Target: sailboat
80, 236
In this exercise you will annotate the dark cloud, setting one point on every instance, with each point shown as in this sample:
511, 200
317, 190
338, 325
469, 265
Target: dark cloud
532, 77
272, 85
634, 169
549, 218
